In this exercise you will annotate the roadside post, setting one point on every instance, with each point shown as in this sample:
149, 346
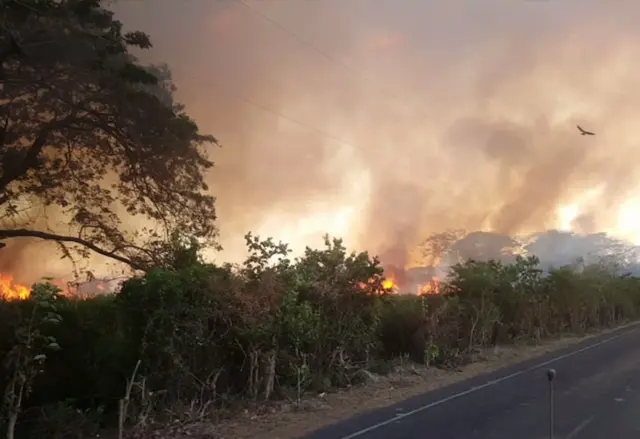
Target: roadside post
551, 374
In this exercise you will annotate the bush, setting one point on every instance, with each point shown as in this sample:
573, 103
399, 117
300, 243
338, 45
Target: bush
193, 337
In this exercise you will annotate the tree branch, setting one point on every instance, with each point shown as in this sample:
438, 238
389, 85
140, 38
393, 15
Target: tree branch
28, 162
8, 48
30, 159
26, 233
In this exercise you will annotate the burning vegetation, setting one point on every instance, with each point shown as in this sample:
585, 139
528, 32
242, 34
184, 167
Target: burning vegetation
9, 290
432, 287
195, 334
392, 286
302, 313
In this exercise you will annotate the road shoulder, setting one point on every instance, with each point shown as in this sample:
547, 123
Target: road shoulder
291, 420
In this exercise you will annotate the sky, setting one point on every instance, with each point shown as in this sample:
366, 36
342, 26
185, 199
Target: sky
382, 121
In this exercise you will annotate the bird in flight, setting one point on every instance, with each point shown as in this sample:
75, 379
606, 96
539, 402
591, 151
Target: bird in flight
584, 132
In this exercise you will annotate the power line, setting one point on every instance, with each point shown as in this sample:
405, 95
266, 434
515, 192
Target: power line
308, 43
294, 35
328, 57
317, 130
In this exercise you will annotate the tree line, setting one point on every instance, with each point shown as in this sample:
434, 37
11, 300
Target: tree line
188, 343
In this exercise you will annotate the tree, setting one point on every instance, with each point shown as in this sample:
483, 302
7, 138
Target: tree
485, 246
87, 131
557, 248
456, 245
437, 245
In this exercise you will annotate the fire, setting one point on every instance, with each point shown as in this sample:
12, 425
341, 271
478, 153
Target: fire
9, 290
388, 284
432, 287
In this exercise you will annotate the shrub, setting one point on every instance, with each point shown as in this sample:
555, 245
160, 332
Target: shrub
191, 337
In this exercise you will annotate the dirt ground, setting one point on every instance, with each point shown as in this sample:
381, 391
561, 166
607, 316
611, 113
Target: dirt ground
286, 420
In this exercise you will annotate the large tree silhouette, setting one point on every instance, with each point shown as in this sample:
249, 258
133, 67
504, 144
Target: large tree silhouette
89, 132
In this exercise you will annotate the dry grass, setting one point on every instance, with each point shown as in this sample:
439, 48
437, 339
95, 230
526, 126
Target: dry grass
286, 420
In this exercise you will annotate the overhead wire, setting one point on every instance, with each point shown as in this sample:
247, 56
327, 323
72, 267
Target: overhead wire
324, 133
308, 43
293, 34
329, 58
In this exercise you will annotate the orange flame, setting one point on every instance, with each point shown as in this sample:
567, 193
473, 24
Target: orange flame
9, 290
432, 287
388, 284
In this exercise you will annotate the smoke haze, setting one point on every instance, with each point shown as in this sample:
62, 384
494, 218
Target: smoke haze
407, 117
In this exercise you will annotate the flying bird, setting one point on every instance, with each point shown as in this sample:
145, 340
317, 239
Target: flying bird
584, 132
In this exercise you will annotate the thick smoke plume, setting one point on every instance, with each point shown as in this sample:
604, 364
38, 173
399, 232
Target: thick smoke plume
412, 116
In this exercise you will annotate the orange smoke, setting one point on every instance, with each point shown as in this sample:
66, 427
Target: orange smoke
9, 290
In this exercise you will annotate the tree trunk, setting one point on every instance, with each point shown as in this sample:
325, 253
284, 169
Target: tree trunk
254, 374
11, 425
269, 374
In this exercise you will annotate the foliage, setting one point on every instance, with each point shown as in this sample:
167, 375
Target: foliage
89, 132
26, 358
201, 336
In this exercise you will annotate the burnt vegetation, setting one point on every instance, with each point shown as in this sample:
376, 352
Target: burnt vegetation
89, 132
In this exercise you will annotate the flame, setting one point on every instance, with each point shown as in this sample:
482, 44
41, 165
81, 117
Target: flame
388, 284
432, 287
9, 290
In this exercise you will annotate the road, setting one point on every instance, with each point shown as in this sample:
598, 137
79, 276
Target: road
597, 395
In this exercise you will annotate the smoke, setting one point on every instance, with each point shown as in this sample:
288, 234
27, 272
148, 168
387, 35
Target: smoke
404, 118
447, 116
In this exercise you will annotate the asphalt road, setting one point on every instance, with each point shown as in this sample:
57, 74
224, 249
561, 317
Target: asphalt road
597, 395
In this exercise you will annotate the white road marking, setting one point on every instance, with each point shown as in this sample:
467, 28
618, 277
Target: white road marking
399, 416
579, 428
